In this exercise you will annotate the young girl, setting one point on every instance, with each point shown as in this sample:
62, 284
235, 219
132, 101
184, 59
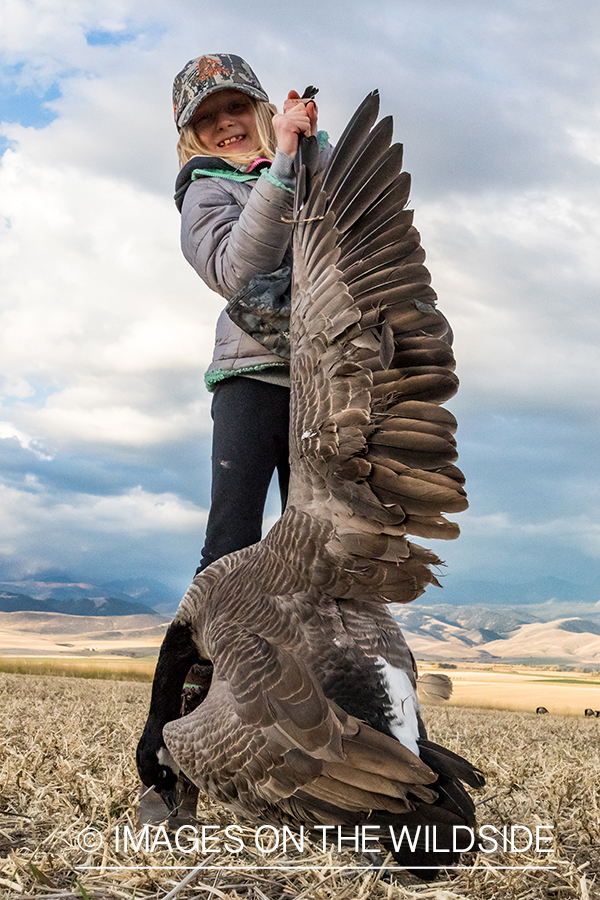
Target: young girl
235, 192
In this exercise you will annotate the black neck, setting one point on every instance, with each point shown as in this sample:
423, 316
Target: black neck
178, 654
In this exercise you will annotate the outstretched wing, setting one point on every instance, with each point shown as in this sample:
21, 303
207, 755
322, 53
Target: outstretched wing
371, 448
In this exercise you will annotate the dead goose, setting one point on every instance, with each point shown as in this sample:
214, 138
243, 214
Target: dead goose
311, 716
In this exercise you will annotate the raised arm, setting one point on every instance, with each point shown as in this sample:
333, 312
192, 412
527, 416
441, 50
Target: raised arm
228, 239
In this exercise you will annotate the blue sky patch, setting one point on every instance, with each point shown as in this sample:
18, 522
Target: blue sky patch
28, 107
37, 399
99, 37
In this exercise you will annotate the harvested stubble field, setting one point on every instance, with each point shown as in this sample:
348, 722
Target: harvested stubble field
67, 764
109, 668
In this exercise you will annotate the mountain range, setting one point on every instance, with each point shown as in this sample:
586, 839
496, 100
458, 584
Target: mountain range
552, 593
80, 606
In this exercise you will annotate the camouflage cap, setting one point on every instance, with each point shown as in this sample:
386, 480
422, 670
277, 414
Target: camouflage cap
203, 76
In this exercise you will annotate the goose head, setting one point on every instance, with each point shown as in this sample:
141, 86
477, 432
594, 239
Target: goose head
159, 770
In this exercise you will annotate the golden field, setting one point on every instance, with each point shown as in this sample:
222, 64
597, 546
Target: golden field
521, 688
126, 647
507, 687
111, 668
67, 764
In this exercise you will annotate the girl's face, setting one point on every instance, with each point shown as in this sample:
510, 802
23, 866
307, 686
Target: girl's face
225, 123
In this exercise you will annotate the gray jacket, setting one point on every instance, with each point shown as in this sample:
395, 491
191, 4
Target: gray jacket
232, 229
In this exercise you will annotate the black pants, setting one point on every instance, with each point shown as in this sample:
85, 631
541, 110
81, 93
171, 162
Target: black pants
250, 440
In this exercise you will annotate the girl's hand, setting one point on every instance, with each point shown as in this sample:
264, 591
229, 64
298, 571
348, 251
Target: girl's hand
299, 117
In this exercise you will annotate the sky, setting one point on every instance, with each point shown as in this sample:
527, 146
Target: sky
105, 330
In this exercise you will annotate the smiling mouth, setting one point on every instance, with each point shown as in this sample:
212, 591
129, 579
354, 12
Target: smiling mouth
231, 140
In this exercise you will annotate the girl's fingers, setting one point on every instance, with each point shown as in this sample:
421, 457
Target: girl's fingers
296, 106
299, 117
294, 100
304, 117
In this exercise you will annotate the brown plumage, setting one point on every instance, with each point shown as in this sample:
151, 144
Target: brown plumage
311, 716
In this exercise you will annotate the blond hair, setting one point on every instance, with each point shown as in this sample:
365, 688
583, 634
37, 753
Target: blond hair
189, 144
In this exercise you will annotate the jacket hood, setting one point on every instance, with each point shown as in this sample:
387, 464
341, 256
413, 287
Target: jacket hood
211, 166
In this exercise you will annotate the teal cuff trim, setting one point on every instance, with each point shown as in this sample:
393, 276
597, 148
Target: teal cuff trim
322, 139
212, 378
223, 173
275, 180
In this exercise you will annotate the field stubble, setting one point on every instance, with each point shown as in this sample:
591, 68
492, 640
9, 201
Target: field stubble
67, 764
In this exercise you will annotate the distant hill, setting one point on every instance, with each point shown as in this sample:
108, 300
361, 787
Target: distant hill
32, 633
554, 632
499, 633
81, 606
10, 602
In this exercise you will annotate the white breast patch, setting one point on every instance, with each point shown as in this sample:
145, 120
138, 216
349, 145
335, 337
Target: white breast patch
403, 700
165, 759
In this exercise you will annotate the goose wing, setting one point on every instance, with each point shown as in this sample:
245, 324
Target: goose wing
372, 450
267, 742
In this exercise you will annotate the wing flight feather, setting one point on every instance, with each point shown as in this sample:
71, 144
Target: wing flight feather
372, 450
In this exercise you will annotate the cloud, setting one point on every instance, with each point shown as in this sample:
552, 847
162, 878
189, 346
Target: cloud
101, 310
519, 277
105, 331
8, 432
500, 547
108, 537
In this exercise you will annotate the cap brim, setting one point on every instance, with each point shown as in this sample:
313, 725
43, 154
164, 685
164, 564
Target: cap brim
190, 109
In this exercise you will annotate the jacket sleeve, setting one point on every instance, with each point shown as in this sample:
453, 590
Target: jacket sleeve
227, 243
